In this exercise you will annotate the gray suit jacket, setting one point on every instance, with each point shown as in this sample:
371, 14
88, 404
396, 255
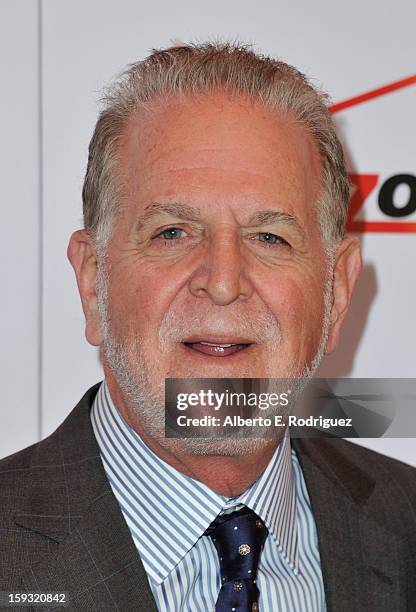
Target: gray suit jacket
61, 528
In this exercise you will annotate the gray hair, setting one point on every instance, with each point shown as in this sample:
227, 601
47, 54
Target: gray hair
201, 68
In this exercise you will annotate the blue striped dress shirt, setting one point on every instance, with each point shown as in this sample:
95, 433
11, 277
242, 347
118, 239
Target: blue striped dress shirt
167, 513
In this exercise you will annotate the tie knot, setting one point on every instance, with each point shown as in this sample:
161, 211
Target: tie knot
239, 538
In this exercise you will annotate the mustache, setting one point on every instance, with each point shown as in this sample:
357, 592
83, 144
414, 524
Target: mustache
259, 326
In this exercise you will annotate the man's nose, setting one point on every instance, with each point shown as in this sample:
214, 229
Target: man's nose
221, 276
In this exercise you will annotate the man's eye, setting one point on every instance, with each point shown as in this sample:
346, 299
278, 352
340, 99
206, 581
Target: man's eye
172, 233
270, 238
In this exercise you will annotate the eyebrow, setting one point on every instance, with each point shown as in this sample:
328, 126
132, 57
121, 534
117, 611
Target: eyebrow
262, 217
188, 213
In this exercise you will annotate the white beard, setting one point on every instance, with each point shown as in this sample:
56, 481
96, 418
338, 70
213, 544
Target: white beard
144, 394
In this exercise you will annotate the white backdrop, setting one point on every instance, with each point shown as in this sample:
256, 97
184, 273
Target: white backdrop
56, 55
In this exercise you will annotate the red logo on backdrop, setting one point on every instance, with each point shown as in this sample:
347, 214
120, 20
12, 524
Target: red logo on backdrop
366, 184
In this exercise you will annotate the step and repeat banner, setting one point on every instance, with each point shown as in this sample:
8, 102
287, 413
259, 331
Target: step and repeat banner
56, 57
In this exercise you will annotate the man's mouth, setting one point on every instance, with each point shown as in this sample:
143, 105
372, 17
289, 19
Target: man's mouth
217, 348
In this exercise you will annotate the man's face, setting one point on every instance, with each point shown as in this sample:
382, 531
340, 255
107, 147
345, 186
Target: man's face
216, 267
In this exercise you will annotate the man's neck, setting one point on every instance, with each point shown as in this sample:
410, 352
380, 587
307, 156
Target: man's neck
227, 475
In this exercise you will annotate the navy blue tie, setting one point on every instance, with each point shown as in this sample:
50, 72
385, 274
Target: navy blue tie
239, 538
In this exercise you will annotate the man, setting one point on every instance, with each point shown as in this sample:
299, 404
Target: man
214, 245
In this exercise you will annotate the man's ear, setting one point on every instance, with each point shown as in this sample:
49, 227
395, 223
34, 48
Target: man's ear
346, 271
81, 254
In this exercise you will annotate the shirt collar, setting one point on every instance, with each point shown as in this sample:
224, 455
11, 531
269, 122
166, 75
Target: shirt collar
171, 510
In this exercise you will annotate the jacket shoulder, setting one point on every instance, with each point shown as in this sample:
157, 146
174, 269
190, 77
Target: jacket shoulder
36, 483
384, 487
374, 463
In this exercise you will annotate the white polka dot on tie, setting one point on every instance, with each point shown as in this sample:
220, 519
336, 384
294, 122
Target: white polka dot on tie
235, 528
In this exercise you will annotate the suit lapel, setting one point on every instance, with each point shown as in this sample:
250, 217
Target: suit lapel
92, 555
360, 558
